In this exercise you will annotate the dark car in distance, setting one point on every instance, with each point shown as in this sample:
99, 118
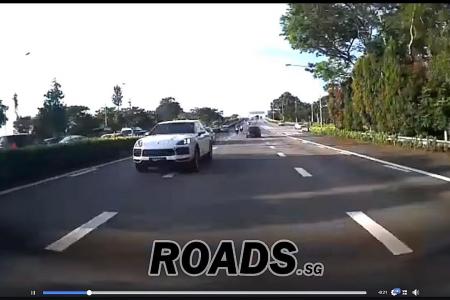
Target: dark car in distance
254, 132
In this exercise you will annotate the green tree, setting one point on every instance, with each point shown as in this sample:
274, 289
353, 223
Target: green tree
285, 108
23, 124
206, 114
111, 117
51, 119
80, 121
3, 109
337, 31
117, 98
168, 109
136, 117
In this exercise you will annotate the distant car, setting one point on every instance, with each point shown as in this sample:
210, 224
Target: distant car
70, 139
108, 136
140, 132
181, 141
254, 132
126, 132
15, 141
52, 141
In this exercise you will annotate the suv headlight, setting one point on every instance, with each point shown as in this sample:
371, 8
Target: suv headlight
138, 143
185, 141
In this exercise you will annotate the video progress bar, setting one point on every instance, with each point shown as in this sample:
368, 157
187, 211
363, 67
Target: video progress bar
198, 293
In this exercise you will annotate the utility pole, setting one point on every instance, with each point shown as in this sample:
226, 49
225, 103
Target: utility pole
312, 112
106, 117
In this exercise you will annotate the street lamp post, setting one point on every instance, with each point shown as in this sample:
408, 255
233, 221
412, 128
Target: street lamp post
295, 103
312, 105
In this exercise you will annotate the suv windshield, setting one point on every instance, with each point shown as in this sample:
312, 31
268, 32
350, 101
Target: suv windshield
173, 128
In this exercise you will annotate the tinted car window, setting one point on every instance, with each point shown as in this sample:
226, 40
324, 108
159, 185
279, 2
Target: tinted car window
173, 128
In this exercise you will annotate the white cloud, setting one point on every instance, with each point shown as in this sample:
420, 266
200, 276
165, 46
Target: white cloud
201, 54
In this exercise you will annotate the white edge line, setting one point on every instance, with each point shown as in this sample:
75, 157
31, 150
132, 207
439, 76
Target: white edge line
396, 168
390, 241
228, 292
79, 232
17, 188
438, 176
83, 172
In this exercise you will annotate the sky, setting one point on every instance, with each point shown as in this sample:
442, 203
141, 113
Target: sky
226, 56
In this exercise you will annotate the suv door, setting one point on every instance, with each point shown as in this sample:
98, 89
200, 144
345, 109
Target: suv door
203, 139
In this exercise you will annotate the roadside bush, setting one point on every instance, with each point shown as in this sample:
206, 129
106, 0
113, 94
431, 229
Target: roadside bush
379, 138
37, 162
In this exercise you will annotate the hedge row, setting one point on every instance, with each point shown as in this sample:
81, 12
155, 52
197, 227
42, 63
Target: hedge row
379, 138
38, 162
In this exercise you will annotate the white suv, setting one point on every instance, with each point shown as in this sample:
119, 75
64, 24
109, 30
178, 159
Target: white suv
181, 141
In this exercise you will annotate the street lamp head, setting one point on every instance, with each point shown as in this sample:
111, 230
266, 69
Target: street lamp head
288, 65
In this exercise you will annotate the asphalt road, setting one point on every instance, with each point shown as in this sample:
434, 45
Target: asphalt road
251, 190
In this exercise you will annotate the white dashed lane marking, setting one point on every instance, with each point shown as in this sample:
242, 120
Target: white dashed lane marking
272, 147
281, 154
169, 175
78, 233
303, 172
393, 244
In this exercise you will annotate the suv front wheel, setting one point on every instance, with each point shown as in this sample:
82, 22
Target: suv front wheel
209, 156
141, 167
194, 164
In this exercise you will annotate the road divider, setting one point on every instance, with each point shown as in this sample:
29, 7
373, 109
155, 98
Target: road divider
78, 233
303, 172
393, 244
